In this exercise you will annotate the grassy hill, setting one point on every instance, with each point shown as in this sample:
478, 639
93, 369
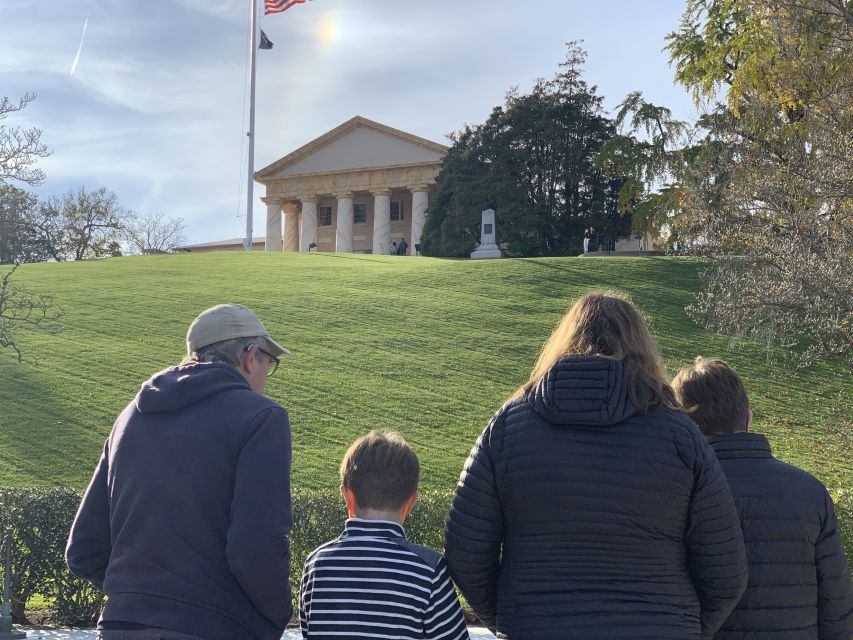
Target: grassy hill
428, 347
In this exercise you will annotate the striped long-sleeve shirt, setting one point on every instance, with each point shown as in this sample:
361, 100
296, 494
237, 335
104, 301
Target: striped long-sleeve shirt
373, 583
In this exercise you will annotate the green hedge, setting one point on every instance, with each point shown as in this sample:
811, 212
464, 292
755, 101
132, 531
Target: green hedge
39, 520
37, 523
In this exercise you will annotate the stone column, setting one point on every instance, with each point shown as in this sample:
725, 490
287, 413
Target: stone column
273, 239
309, 222
382, 221
291, 226
343, 230
420, 200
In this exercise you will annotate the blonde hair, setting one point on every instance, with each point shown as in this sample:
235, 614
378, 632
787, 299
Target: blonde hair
607, 324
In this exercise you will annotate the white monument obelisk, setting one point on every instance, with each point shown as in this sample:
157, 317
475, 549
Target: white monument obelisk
488, 248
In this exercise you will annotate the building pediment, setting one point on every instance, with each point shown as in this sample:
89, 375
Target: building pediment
357, 144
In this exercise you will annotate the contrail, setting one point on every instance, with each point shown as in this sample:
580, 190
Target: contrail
80, 47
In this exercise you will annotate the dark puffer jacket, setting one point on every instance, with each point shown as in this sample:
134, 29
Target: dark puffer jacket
578, 517
799, 581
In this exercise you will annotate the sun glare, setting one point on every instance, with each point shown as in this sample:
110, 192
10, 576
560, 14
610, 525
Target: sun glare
328, 29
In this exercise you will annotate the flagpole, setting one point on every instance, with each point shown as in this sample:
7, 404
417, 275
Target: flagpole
247, 241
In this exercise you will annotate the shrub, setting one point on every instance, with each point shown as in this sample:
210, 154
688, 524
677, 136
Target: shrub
36, 522
39, 521
318, 516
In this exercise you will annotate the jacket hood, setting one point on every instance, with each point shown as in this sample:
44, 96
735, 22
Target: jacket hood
179, 387
588, 390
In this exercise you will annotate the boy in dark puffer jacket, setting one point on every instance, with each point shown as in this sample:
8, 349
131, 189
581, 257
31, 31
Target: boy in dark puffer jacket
799, 580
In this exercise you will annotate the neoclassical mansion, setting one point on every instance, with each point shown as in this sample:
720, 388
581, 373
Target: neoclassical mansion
355, 189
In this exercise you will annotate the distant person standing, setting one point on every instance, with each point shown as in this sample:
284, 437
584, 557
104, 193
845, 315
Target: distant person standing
593, 240
799, 580
586, 240
394, 249
185, 523
403, 247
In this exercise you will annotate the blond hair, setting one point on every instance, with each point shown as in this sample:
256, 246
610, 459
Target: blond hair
607, 324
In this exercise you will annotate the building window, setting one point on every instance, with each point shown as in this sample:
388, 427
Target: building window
359, 213
397, 210
325, 217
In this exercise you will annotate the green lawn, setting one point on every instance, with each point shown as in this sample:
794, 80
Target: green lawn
428, 347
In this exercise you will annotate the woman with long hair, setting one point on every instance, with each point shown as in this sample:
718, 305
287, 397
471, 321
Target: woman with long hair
591, 507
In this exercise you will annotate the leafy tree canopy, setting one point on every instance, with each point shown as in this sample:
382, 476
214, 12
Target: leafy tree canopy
777, 218
531, 161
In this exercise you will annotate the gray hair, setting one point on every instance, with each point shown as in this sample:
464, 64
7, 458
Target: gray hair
227, 351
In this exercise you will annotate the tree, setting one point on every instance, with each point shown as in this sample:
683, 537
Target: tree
153, 232
81, 224
651, 164
779, 224
22, 309
20, 148
19, 151
531, 161
19, 239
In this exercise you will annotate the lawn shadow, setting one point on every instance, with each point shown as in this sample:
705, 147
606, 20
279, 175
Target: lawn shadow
41, 423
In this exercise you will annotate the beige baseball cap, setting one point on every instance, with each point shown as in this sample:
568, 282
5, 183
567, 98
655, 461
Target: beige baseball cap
226, 322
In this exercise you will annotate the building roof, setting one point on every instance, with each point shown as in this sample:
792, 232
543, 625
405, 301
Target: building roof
233, 242
420, 150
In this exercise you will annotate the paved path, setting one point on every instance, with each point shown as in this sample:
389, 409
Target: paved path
477, 633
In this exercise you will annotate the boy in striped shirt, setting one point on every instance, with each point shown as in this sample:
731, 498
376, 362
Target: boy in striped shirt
371, 582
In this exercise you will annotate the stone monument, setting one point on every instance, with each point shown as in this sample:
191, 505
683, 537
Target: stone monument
488, 248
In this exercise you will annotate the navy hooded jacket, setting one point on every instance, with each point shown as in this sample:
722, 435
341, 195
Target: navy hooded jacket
577, 516
799, 581
184, 525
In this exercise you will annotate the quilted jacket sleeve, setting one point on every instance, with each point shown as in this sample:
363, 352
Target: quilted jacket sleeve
474, 532
835, 592
715, 547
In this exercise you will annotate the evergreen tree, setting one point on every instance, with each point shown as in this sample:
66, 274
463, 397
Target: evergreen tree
532, 162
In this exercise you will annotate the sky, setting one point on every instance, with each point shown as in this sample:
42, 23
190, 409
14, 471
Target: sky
150, 98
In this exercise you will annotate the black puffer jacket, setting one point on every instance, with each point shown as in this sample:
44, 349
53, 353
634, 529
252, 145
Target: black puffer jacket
578, 517
799, 581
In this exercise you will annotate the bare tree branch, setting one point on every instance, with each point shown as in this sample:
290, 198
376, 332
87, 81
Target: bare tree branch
21, 309
20, 148
153, 233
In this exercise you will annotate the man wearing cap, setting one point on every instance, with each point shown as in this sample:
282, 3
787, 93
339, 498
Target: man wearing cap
185, 522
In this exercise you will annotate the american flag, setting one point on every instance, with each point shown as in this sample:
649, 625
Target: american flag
277, 6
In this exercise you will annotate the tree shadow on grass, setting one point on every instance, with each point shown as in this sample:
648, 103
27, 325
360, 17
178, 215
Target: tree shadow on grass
41, 441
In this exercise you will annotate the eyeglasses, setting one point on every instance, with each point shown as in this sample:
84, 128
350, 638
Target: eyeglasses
272, 367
